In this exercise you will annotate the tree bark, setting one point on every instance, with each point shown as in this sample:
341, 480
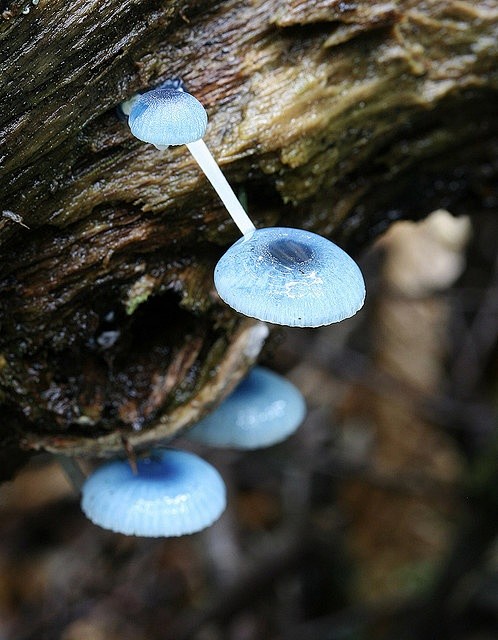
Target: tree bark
339, 117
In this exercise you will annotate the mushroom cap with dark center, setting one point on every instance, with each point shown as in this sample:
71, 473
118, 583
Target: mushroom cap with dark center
173, 493
264, 409
290, 277
166, 117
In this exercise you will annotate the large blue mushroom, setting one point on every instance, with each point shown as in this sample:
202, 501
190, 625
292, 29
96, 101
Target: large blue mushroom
172, 493
264, 409
307, 280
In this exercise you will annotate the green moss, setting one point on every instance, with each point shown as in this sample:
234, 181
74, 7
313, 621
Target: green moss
138, 293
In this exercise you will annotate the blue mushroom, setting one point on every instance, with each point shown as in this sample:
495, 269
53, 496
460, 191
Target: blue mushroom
167, 117
171, 116
264, 409
283, 276
173, 493
290, 277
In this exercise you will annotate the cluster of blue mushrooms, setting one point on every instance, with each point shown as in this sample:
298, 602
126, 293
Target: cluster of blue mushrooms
173, 492
280, 275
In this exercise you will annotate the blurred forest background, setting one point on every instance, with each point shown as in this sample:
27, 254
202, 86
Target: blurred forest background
377, 519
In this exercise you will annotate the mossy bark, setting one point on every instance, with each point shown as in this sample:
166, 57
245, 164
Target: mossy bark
334, 116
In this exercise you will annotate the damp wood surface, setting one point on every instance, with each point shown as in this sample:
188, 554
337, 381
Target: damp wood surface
339, 117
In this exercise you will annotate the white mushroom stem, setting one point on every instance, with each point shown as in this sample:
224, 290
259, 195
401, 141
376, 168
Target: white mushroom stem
208, 164
72, 470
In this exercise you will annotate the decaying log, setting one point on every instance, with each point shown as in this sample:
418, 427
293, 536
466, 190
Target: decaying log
335, 116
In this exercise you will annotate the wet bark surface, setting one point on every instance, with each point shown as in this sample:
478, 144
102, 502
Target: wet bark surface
333, 116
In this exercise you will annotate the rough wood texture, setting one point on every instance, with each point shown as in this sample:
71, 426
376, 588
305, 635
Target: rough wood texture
335, 116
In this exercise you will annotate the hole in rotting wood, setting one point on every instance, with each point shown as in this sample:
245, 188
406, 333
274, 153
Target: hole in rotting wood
133, 367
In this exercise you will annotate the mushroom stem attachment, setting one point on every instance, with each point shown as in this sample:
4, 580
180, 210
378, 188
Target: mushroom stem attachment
72, 471
208, 164
130, 454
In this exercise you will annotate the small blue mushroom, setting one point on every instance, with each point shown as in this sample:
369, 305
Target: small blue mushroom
264, 409
173, 493
168, 116
290, 277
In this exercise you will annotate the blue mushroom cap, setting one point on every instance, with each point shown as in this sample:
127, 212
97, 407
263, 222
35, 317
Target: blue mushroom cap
264, 409
167, 117
173, 493
290, 277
